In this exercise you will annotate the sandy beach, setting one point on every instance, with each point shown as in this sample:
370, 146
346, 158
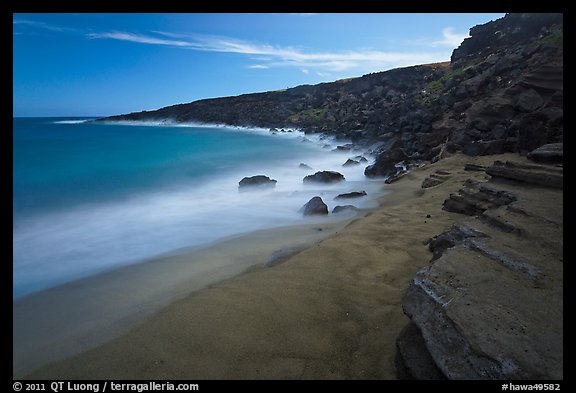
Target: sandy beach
331, 309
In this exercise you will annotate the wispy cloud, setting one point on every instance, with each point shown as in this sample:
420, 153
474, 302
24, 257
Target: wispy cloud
139, 38
269, 56
450, 38
259, 66
296, 57
40, 25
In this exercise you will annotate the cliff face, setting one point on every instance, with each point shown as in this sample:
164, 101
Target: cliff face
358, 108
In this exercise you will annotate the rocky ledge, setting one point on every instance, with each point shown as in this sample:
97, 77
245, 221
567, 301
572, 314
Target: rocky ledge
490, 303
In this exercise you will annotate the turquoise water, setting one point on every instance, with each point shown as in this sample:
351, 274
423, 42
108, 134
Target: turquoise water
57, 165
89, 196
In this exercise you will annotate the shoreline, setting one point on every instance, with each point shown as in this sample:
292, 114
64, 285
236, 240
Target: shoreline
164, 217
61, 321
330, 311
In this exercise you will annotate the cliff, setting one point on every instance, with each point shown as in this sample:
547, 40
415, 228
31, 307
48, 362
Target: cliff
357, 108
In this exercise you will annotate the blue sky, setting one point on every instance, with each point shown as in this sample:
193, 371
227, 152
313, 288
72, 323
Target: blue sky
106, 64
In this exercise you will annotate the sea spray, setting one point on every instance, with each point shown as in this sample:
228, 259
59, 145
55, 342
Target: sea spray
90, 197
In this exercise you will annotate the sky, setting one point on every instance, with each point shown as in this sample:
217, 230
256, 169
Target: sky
105, 64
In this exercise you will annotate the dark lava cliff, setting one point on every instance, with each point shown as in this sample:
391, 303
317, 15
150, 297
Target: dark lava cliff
502, 91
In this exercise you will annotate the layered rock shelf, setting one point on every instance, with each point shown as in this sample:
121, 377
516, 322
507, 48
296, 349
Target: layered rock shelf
489, 305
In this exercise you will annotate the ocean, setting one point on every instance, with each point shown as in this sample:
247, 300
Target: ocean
89, 197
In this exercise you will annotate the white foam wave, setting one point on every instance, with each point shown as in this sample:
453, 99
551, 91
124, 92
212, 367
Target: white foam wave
72, 121
172, 123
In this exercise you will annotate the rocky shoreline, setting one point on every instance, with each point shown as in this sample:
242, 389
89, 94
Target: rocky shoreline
496, 95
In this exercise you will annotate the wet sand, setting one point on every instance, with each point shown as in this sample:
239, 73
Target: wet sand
332, 310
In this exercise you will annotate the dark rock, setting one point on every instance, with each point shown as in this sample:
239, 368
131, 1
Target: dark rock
508, 62
529, 101
470, 87
541, 175
346, 147
532, 132
496, 146
452, 237
545, 79
350, 162
436, 178
475, 148
413, 361
460, 106
360, 159
324, 177
479, 321
482, 148
510, 30
552, 153
490, 301
259, 180
354, 194
395, 177
475, 198
431, 182
554, 116
304, 166
385, 164
314, 206
498, 132
339, 208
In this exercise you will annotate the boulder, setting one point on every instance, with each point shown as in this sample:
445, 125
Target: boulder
541, 175
354, 194
476, 197
436, 178
395, 177
351, 162
529, 100
346, 147
258, 180
314, 206
304, 166
431, 182
324, 177
551, 153
385, 164
340, 208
